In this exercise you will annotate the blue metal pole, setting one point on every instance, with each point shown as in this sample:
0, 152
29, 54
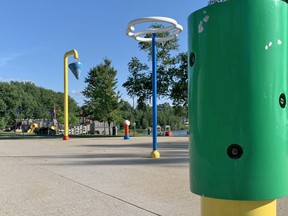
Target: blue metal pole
154, 91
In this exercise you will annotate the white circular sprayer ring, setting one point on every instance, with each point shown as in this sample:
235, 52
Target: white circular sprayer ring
175, 29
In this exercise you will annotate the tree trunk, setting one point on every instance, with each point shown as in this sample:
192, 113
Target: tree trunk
109, 127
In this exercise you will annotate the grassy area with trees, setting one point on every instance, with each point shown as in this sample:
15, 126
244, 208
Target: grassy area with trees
25, 100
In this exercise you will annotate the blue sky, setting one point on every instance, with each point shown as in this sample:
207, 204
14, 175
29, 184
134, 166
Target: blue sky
36, 34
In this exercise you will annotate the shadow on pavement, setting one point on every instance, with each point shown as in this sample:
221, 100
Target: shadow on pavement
141, 145
168, 158
123, 161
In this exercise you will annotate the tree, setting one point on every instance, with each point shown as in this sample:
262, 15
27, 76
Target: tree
143, 116
24, 100
168, 116
165, 60
215, 1
102, 98
138, 83
125, 112
179, 78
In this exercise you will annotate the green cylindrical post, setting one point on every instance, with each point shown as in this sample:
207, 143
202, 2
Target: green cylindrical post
237, 100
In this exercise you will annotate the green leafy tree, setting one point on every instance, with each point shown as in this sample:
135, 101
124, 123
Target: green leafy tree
143, 116
179, 82
125, 112
215, 1
24, 100
165, 60
102, 102
168, 115
139, 82
165, 114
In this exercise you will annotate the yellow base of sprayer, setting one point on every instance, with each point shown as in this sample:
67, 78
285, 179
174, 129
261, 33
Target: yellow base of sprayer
155, 154
220, 207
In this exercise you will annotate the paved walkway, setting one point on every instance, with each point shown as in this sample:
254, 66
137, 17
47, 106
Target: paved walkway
97, 176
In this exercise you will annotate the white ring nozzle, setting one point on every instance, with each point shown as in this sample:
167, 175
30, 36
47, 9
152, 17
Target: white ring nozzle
174, 28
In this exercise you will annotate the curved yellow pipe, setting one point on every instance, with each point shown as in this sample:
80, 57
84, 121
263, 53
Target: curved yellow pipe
75, 53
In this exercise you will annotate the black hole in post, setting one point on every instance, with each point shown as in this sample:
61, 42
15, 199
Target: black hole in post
282, 100
235, 151
192, 59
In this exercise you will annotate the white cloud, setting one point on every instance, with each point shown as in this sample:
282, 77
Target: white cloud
77, 96
5, 59
76, 93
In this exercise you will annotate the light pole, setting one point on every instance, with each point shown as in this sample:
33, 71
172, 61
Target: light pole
76, 69
175, 29
133, 115
155, 153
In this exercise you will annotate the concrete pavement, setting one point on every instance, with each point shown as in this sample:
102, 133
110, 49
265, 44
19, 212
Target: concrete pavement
97, 176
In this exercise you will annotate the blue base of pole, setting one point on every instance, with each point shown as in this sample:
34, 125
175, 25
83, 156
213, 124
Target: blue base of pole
127, 137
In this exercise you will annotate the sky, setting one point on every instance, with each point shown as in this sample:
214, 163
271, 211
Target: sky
36, 34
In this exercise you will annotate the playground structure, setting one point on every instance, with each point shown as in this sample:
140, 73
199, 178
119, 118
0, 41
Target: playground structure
93, 127
159, 130
33, 127
168, 131
174, 29
165, 132
237, 106
88, 126
38, 126
51, 127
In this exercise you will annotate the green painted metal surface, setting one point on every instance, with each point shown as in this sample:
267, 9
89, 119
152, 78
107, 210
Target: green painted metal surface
236, 78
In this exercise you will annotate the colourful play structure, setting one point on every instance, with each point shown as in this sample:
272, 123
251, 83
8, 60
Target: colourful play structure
32, 128
126, 124
37, 126
168, 131
237, 106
